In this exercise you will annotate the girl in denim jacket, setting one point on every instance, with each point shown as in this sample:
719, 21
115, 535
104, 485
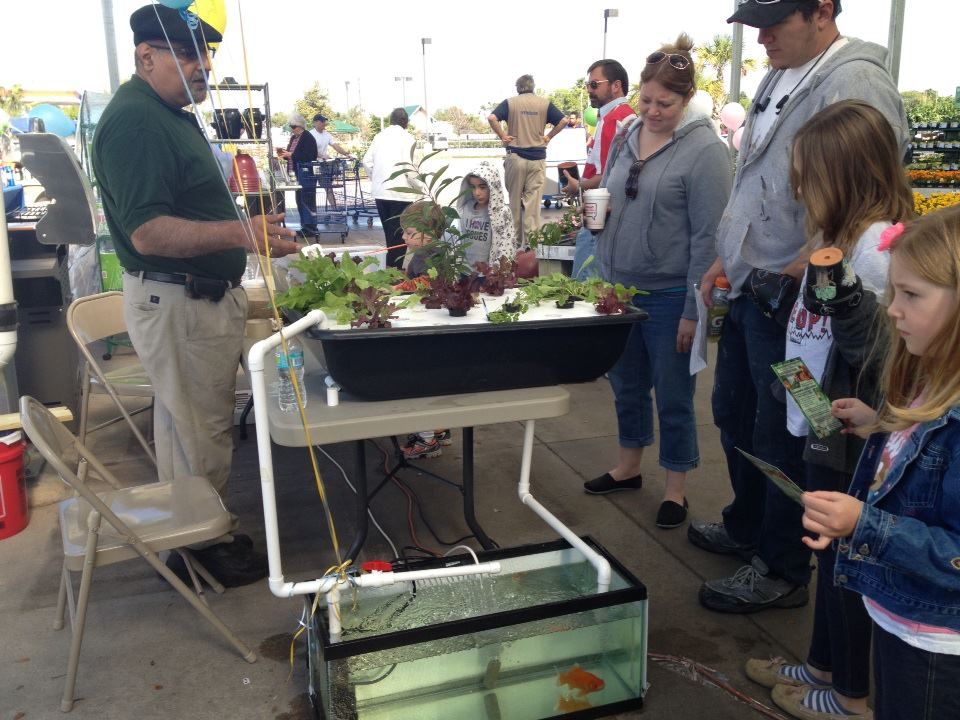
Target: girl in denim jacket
898, 529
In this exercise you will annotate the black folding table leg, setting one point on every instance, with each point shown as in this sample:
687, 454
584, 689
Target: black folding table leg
469, 513
360, 483
243, 417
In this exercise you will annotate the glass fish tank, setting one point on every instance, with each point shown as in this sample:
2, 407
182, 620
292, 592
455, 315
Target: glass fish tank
535, 641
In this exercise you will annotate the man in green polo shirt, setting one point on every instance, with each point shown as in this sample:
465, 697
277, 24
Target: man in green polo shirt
183, 246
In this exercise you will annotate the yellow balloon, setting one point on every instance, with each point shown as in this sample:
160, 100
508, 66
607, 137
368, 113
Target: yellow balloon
213, 13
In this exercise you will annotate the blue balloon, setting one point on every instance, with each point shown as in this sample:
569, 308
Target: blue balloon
54, 119
176, 4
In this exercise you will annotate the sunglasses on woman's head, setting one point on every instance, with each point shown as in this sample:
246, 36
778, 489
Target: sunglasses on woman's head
678, 61
630, 189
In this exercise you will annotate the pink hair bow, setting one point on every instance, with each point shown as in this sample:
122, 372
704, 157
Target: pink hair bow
889, 236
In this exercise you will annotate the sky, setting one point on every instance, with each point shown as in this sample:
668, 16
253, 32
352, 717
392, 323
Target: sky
477, 50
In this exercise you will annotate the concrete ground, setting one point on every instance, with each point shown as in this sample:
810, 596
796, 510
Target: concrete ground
147, 654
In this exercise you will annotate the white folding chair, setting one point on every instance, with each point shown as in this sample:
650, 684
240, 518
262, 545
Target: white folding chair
97, 317
139, 521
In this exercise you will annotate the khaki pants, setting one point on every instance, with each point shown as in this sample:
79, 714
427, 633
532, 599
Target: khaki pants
190, 350
525, 179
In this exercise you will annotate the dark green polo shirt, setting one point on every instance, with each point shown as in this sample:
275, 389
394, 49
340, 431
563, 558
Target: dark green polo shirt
152, 160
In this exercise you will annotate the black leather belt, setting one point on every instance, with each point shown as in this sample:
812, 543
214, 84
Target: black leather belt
195, 288
173, 278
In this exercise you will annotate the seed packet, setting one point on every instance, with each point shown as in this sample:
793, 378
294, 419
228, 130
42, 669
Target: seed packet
809, 396
777, 477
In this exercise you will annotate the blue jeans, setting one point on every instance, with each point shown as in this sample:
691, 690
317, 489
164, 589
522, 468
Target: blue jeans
307, 209
750, 416
913, 684
651, 361
840, 642
586, 247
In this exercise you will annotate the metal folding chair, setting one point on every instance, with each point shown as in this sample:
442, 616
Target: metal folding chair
98, 317
103, 528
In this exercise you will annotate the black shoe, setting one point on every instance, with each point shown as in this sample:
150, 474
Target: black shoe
235, 563
179, 568
671, 514
713, 537
751, 589
606, 484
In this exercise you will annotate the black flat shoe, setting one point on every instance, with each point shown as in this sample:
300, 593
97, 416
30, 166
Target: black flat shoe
606, 484
671, 514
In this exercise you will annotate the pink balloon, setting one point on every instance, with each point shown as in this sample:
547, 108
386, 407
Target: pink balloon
732, 116
737, 138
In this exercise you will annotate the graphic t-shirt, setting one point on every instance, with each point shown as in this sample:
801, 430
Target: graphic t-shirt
475, 225
810, 336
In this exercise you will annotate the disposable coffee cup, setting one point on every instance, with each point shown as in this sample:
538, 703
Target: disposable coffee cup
595, 204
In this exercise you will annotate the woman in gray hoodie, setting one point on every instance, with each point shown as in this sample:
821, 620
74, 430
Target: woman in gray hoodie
669, 178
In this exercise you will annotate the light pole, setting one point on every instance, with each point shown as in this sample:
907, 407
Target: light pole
346, 84
403, 80
608, 13
424, 42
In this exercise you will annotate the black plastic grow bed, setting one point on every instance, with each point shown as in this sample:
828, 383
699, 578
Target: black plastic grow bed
398, 363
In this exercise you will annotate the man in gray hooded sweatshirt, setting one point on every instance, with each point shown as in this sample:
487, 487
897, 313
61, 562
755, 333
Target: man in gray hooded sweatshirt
760, 237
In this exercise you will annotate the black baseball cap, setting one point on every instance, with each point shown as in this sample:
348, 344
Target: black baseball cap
764, 14
150, 21
319, 118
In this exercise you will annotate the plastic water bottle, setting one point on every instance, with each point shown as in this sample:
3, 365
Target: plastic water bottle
719, 307
288, 398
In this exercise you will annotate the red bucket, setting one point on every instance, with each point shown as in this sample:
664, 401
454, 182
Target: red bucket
14, 513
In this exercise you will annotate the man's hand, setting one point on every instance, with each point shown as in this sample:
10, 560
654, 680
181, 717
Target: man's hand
708, 280
797, 267
573, 185
830, 515
507, 139
275, 235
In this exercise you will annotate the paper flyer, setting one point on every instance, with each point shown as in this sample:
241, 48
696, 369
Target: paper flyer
777, 477
810, 398
698, 352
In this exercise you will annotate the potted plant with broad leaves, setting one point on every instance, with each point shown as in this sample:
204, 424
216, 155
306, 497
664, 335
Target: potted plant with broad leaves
442, 247
349, 290
564, 231
611, 299
556, 287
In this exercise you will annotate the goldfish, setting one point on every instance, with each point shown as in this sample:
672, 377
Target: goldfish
580, 680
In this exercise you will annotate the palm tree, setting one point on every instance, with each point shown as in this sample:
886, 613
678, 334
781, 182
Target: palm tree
12, 100
711, 62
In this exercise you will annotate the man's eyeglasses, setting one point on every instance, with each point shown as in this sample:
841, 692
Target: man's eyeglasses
630, 189
594, 84
678, 61
184, 54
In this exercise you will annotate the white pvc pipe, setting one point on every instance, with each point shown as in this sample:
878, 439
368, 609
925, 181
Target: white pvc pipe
593, 557
333, 613
279, 587
258, 385
8, 339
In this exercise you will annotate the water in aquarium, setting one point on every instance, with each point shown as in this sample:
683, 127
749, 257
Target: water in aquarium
569, 661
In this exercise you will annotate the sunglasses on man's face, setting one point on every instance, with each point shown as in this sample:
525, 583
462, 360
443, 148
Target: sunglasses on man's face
633, 178
594, 84
677, 61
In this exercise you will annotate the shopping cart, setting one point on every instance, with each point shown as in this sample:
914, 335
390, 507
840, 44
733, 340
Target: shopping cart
555, 182
358, 202
325, 178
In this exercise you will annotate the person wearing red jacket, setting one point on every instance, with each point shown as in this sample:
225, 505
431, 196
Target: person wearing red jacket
607, 86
